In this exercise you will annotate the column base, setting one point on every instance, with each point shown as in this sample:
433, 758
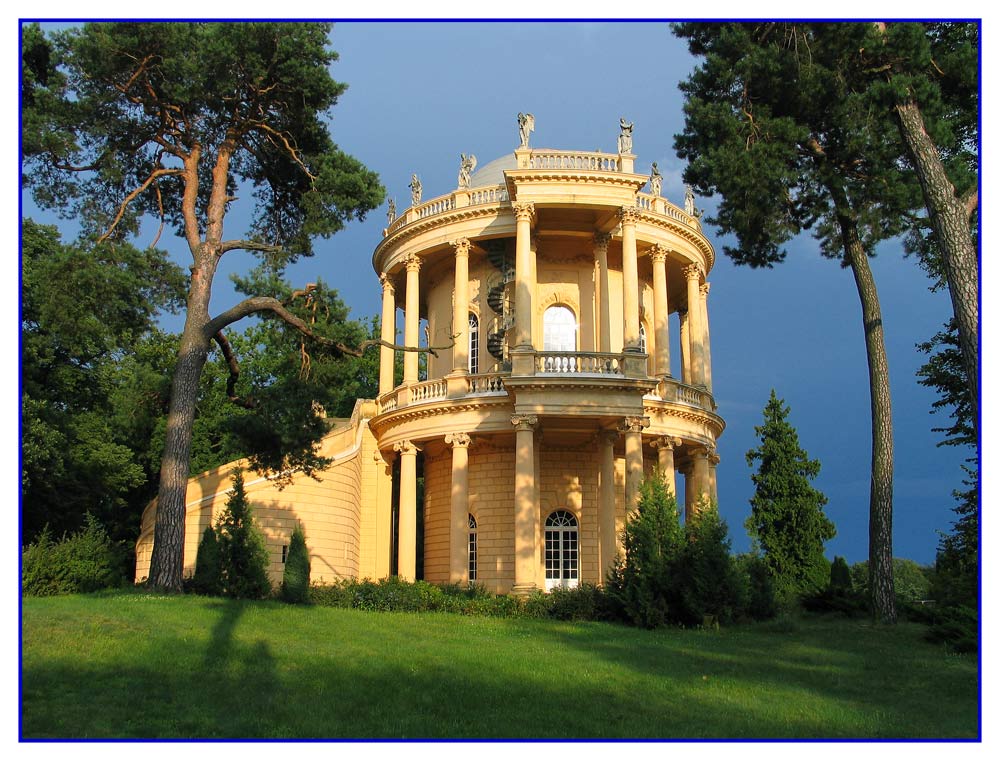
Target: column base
524, 590
522, 360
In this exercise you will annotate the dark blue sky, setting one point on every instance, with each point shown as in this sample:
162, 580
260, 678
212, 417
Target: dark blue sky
422, 93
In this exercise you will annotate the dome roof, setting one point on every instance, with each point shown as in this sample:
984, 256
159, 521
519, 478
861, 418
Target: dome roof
492, 173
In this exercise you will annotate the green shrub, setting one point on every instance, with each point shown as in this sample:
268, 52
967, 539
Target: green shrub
708, 582
583, 603
643, 584
207, 569
958, 626
840, 575
847, 602
82, 562
295, 585
243, 556
761, 603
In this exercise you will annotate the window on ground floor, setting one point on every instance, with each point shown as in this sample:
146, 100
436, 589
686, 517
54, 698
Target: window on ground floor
472, 547
562, 556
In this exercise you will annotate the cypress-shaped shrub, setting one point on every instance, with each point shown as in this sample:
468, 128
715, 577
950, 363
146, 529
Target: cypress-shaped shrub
840, 575
761, 603
243, 557
295, 584
643, 585
709, 582
207, 568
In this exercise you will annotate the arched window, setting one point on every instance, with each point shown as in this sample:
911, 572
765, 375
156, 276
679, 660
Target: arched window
562, 557
473, 550
473, 343
559, 329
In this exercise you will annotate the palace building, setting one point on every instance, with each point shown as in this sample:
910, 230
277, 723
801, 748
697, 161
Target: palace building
556, 287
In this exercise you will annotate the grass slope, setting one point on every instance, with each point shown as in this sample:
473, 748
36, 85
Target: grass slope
133, 665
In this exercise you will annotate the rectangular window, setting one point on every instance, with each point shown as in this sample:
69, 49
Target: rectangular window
472, 556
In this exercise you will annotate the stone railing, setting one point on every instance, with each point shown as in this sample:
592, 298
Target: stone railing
590, 161
428, 391
660, 205
671, 390
486, 383
388, 401
578, 363
492, 194
435, 206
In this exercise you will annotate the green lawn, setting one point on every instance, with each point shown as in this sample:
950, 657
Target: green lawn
137, 665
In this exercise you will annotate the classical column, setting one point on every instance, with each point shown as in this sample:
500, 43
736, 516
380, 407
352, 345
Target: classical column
524, 287
632, 428
630, 277
387, 357
713, 486
407, 565
460, 312
606, 502
696, 332
664, 447
685, 331
411, 331
459, 564
383, 514
689, 491
601, 241
700, 476
661, 312
526, 517
706, 343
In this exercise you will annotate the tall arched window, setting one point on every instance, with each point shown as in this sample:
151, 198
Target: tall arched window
473, 343
562, 557
559, 329
473, 549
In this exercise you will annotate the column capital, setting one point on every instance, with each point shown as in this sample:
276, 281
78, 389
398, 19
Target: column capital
666, 442
460, 440
412, 262
714, 458
633, 424
523, 210
601, 241
692, 272
658, 254
406, 447
628, 215
701, 452
386, 281
524, 422
705, 288
461, 246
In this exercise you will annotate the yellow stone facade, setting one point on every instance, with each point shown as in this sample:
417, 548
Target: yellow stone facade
531, 438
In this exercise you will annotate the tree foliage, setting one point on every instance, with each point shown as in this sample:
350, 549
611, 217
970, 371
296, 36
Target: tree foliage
774, 126
86, 310
181, 121
207, 578
786, 512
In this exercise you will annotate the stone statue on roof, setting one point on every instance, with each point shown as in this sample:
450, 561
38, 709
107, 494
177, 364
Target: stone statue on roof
689, 200
391, 213
625, 138
525, 125
655, 180
416, 189
466, 168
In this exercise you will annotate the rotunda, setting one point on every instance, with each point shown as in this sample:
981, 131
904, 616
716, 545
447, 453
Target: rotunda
549, 280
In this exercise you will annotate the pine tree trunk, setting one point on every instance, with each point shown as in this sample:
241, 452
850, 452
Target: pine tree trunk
166, 568
880, 576
950, 221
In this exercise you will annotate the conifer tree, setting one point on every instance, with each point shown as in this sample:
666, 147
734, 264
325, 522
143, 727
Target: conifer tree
207, 571
786, 518
243, 555
295, 585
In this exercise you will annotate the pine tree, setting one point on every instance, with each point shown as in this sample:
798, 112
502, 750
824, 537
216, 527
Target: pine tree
295, 585
787, 519
243, 555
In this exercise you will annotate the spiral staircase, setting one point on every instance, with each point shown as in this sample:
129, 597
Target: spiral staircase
499, 299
